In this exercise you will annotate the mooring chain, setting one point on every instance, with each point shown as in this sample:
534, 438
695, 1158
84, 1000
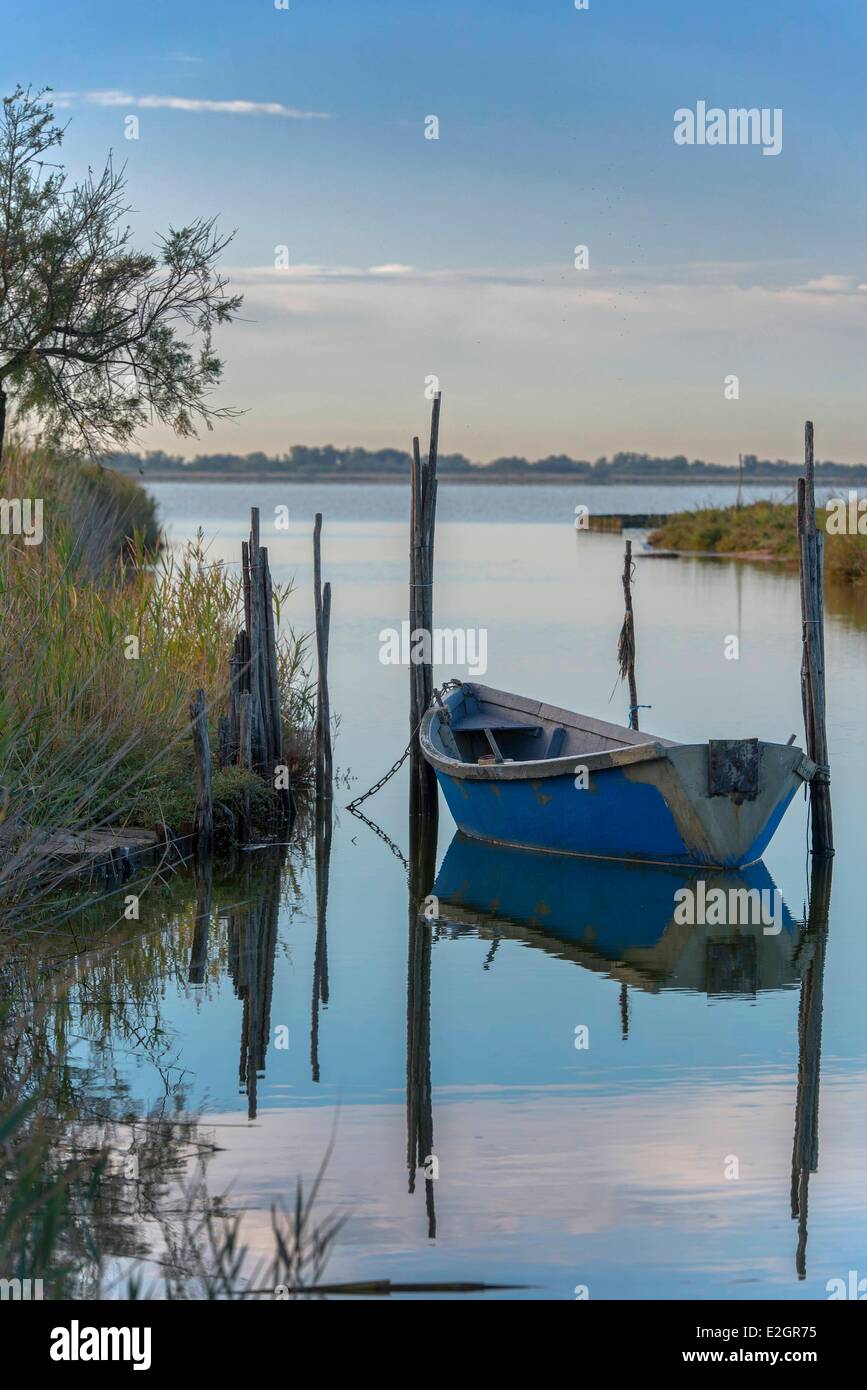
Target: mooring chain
356, 802
353, 805
437, 698
378, 830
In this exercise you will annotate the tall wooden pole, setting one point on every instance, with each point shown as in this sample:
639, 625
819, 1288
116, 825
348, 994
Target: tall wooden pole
327, 772
322, 610
626, 641
255, 616
258, 568
245, 754
272, 680
811, 548
415, 610
423, 484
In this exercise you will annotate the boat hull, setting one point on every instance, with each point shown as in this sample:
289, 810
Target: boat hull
621, 819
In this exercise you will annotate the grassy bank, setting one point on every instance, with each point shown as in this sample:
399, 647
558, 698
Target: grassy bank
104, 638
103, 642
761, 530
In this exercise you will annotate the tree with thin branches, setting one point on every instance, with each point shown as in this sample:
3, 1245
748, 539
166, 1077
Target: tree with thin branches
98, 339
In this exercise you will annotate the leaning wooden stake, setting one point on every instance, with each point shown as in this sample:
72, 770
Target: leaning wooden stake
626, 640
272, 684
201, 747
262, 733
811, 547
327, 771
250, 570
251, 735
322, 609
423, 483
245, 753
237, 684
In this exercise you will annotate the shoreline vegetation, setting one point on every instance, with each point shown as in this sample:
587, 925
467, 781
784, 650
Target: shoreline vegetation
483, 478
106, 637
762, 531
327, 464
115, 660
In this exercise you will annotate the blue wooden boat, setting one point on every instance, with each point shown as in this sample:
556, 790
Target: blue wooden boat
519, 772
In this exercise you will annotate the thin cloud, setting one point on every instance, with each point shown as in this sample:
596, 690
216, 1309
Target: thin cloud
525, 356
306, 271
831, 284
195, 104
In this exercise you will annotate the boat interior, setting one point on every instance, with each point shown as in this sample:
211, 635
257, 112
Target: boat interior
488, 726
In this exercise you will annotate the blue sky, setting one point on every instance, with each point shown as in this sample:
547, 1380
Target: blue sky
556, 129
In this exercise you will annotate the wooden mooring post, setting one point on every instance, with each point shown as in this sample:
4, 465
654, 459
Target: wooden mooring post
202, 750
811, 549
245, 753
322, 609
423, 484
271, 683
252, 736
626, 640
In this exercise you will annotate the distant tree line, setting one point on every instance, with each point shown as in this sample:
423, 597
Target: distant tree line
304, 460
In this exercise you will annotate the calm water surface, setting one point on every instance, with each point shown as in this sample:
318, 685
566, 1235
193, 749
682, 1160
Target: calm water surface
557, 1167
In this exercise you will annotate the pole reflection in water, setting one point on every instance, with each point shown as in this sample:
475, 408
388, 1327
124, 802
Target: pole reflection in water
252, 940
419, 1102
204, 893
805, 1150
324, 821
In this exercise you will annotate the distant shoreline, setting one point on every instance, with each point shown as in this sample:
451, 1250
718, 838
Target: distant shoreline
510, 480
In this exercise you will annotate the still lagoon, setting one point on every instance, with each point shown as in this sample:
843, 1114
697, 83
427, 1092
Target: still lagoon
606, 1168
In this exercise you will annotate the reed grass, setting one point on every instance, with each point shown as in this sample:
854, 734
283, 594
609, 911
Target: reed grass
104, 638
91, 734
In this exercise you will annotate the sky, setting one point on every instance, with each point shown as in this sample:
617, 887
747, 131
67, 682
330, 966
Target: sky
409, 258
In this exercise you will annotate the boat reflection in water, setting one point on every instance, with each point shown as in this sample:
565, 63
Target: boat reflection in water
629, 921
620, 919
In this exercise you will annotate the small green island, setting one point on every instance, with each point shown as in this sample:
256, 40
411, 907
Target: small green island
768, 531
